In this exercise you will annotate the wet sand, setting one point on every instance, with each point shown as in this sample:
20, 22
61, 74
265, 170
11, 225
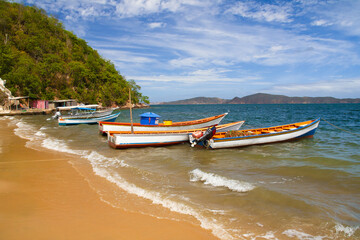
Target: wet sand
43, 197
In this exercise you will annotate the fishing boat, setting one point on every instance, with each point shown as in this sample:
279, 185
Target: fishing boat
249, 137
126, 139
150, 122
86, 115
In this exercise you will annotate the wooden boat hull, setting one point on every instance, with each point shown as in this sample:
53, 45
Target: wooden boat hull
264, 136
110, 117
156, 139
105, 127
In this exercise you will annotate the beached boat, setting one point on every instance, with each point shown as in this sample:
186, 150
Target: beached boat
127, 139
257, 136
84, 115
150, 122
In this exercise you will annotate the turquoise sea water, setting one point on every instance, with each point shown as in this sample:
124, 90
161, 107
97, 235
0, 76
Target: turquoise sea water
308, 189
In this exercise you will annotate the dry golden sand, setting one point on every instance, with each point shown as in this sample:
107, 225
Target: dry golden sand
43, 197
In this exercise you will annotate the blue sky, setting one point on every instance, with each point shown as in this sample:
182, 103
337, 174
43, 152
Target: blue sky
179, 49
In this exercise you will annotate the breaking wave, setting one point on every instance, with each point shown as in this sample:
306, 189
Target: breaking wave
215, 180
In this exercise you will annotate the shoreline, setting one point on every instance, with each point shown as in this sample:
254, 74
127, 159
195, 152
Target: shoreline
42, 196
51, 111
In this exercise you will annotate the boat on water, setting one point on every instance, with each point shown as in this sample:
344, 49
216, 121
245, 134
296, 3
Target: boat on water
250, 137
85, 115
126, 139
150, 122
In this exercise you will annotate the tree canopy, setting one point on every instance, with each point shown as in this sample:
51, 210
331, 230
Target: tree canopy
40, 59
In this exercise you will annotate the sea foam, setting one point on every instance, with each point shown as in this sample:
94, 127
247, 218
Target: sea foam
25, 131
100, 163
301, 235
348, 231
219, 181
61, 146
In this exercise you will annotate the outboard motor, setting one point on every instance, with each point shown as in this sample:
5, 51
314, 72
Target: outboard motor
207, 135
57, 115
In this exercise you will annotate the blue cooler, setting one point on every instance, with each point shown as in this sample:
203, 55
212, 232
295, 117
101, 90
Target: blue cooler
149, 118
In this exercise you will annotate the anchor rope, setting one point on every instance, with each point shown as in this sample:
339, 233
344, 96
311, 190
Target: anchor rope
340, 128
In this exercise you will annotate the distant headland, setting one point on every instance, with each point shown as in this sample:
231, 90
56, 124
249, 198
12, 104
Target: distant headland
262, 98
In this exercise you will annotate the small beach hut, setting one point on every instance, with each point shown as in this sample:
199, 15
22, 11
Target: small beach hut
40, 104
62, 103
17, 102
149, 118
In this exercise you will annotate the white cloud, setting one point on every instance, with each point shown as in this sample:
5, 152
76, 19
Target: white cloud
262, 12
324, 88
125, 56
321, 22
340, 15
187, 62
195, 77
157, 25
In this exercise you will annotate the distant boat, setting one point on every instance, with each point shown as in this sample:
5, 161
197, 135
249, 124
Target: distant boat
150, 122
159, 138
85, 115
249, 137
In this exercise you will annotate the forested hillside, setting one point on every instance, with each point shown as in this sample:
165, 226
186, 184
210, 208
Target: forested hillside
40, 59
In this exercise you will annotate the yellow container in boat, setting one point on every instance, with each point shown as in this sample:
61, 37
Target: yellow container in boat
167, 122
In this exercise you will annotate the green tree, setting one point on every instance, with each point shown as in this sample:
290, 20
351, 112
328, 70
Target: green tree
41, 59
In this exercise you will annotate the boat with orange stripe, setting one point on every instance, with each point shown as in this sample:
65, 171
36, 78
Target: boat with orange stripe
150, 122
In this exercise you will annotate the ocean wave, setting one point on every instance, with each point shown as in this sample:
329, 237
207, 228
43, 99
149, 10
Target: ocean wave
7, 118
219, 181
61, 146
25, 131
101, 170
98, 159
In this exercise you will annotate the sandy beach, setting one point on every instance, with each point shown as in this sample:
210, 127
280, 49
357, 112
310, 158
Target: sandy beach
43, 197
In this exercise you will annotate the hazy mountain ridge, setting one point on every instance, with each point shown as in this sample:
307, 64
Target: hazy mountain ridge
263, 98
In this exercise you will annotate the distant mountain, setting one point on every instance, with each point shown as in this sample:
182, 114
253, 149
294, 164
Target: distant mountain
263, 98
198, 100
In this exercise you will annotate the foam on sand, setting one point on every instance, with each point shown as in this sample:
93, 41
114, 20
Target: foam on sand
348, 231
100, 163
301, 235
100, 167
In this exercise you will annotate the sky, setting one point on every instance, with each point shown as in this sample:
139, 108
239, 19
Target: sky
180, 49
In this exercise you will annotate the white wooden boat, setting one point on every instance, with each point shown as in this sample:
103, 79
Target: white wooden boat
127, 139
89, 118
105, 127
258, 136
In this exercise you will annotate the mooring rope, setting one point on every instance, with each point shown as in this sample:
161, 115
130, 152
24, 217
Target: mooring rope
340, 128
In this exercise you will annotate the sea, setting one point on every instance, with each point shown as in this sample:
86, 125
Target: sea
306, 189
